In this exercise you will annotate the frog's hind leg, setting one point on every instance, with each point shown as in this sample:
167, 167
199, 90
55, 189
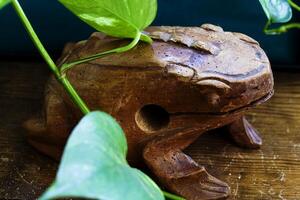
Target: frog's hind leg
49, 130
244, 134
179, 172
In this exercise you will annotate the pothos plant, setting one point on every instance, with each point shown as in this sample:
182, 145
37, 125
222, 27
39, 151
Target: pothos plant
279, 11
94, 160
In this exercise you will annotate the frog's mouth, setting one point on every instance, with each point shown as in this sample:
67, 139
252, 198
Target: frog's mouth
154, 118
233, 111
227, 94
245, 107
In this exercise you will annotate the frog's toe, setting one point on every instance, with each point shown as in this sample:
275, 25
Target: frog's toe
213, 188
201, 185
38, 136
35, 128
244, 134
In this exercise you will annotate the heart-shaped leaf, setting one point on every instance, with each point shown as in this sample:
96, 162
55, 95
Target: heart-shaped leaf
4, 3
277, 11
94, 165
118, 18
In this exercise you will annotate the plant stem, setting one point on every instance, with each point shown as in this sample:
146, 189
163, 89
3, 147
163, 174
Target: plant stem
74, 95
38, 44
34, 37
294, 5
282, 29
172, 196
60, 74
132, 44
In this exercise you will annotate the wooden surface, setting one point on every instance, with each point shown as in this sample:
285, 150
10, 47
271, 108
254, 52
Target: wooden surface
273, 172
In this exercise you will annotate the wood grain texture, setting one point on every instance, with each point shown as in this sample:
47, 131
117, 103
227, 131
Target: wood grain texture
273, 172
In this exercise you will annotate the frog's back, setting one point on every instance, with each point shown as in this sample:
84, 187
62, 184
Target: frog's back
214, 64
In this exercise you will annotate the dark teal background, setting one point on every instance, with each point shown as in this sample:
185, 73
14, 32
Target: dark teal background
55, 25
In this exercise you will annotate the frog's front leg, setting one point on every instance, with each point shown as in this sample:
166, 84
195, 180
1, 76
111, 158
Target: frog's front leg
244, 134
48, 132
179, 172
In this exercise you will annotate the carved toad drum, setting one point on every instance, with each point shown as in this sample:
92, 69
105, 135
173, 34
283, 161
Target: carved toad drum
165, 95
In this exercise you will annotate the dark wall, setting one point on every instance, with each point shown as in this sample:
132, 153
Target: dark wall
55, 25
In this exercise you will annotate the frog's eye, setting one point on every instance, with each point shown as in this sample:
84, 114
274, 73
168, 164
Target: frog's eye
152, 118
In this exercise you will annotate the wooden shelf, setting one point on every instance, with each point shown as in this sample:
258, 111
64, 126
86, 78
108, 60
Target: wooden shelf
272, 172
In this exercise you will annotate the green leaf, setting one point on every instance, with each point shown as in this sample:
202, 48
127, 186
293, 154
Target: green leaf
4, 3
118, 18
94, 165
277, 11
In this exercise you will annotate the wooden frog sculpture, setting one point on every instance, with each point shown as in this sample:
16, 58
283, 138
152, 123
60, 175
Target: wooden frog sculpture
165, 95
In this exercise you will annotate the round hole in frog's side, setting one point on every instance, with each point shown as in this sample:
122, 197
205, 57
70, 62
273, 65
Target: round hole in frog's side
151, 118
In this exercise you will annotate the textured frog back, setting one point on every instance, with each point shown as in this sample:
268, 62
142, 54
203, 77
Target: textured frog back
230, 69
218, 53
204, 50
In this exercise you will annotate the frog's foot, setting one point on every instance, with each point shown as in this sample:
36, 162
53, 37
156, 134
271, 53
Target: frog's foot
38, 136
36, 132
244, 134
180, 173
200, 185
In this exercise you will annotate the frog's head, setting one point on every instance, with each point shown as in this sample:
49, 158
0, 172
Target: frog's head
215, 76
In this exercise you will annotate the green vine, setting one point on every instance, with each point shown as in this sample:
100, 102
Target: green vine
282, 29
62, 79
132, 44
294, 5
60, 74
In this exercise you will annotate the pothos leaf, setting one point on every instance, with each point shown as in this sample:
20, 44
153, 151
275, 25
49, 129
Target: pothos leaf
119, 18
4, 3
277, 11
94, 165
